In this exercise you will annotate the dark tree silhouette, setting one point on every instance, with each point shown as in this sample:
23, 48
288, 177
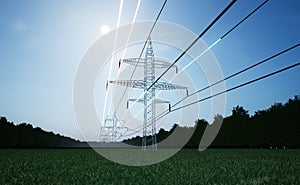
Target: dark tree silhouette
24, 135
277, 126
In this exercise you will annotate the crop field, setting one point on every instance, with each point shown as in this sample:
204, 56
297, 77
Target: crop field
214, 166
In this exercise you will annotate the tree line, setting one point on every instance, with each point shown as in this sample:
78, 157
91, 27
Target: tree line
275, 127
24, 135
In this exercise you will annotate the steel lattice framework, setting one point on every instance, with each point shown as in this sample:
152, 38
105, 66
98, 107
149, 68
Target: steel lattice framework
140, 84
149, 63
112, 129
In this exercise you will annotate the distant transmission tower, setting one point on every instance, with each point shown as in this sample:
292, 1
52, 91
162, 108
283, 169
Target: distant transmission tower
112, 129
150, 64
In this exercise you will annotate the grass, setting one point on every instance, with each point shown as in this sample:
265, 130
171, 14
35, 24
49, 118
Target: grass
215, 166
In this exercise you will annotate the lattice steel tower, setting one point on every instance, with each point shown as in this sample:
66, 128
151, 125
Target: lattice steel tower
112, 129
150, 64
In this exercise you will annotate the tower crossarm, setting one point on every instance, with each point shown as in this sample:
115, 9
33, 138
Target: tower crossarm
156, 100
158, 63
140, 84
168, 86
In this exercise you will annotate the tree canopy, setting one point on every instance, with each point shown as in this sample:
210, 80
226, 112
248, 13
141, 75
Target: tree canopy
277, 126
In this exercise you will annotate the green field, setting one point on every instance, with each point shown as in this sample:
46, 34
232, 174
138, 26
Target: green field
214, 166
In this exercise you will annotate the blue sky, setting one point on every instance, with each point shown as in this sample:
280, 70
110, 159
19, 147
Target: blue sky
43, 42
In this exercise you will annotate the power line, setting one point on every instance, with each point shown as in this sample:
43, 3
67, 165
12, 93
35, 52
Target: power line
228, 90
114, 47
144, 46
126, 45
261, 5
163, 114
198, 101
123, 136
191, 45
233, 75
157, 18
222, 37
239, 86
239, 72
216, 19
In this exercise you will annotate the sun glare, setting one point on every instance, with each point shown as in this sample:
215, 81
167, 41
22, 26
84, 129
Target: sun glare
105, 29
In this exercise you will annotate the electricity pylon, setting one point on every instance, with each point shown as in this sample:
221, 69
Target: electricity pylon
112, 129
149, 63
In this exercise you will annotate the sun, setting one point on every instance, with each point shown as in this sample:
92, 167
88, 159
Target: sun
105, 29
